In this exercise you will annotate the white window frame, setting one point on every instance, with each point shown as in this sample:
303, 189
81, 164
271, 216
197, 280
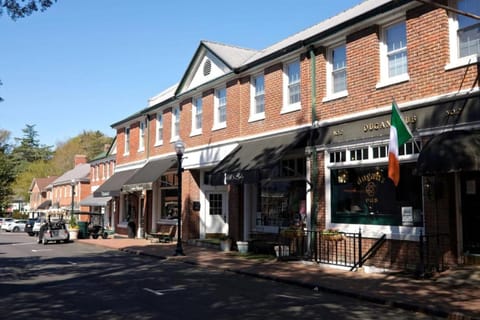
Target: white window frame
401, 232
127, 141
141, 135
255, 95
330, 95
385, 78
216, 109
455, 60
159, 127
287, 106
175, 123
197, 116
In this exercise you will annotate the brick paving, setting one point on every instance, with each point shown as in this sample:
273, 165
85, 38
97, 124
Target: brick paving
452, 294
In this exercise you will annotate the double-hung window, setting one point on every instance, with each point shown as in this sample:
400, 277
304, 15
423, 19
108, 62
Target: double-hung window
197, 111
175, 123
337, 72
393, 51
141, 136
464, 33
220, 109
159, 132
257, 109
127, 141
291, 86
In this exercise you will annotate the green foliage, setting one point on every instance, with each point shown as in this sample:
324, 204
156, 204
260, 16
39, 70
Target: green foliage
23, 8
7, 170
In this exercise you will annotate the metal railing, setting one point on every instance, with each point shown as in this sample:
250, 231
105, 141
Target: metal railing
431, 251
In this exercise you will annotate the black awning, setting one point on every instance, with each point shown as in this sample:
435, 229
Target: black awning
45, 205
150, 172
93, 201
244, 163
113, 185
452, 151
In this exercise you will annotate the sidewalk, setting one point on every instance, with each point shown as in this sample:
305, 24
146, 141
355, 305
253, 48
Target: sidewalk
454, 294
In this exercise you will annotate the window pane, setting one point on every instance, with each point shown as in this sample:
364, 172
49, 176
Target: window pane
397, 49
339, 72
259, 94
222, 105
366, 195
198, 113
294, 82
468, 28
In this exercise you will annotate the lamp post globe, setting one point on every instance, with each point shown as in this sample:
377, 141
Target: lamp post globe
179, 149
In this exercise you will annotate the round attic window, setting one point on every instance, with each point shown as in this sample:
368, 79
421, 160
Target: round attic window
207, 67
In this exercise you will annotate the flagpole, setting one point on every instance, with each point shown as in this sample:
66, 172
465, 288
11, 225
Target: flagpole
408, 128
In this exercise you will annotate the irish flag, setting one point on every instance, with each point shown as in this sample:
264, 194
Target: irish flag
399, 134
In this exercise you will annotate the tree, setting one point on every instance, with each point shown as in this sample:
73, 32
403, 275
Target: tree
28, 148
89, 143
37, 169
7, 170
23, 8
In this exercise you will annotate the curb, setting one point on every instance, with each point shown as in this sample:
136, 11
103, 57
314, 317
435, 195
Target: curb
317, 287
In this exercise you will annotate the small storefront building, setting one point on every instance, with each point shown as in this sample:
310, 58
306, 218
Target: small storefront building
429, 213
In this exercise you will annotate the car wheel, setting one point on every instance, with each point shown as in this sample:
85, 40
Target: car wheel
95, 236
16, 229
105, 235
31, 234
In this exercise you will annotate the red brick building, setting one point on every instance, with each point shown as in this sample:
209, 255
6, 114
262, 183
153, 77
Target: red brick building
298, 133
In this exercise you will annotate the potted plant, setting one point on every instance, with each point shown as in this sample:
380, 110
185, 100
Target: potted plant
73, 228
225, 242
332, 235
242, 247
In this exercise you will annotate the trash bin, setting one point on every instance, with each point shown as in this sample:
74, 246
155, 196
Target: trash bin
82, 230
131, 229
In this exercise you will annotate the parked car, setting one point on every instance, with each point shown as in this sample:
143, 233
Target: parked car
4, 221
37, 225
14, 226
29, 227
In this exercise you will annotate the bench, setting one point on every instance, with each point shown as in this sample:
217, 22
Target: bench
165, 233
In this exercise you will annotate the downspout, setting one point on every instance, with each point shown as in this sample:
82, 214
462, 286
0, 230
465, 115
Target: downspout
311, 143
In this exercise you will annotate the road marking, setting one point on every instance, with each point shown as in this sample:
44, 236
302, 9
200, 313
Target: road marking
23, 244
40, 250
162, 292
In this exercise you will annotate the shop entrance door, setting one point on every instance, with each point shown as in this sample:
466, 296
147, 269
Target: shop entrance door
216, 212
471, 212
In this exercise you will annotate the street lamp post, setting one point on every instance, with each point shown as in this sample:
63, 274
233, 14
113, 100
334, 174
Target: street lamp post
72, 183
179, 149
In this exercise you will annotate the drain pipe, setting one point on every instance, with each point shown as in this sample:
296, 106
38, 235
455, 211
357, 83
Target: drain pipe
313, 150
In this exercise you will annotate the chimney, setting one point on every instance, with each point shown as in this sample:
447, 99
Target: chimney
80, 159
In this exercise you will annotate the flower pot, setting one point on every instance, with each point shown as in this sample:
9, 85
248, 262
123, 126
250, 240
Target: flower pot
73, 234
242, 246
225, 245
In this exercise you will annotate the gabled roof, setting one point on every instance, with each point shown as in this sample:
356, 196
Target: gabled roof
81, 172
224, 59
42, 183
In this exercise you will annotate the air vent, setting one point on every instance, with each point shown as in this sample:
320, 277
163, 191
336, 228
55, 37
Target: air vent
207, 67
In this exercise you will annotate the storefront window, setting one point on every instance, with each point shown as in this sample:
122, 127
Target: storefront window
365, 195
281, 204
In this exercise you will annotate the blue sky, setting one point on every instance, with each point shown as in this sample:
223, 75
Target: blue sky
83, 65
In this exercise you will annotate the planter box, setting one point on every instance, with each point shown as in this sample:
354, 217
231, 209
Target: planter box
242, 246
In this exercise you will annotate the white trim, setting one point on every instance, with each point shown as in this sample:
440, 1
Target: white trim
141, 135
256, 116
196, 131
216, 124
158, 141
287, 107
329, 94
174, 135
368, 230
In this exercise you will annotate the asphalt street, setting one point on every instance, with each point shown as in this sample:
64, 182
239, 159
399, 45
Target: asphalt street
78, 281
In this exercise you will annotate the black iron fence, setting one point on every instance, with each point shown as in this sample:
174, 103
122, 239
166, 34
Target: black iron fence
338, 248
432, 248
